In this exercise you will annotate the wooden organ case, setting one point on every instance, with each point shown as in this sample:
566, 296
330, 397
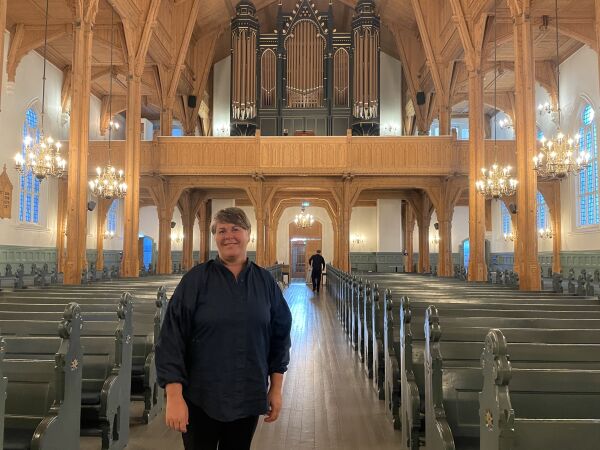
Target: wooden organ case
305, 76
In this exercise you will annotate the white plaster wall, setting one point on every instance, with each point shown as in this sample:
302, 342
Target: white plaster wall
16, 99
363, 223
283, 233
221, 96
389, 225
390, 79
149, 222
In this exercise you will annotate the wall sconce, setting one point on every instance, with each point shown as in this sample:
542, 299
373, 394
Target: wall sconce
176, 237
435, 240
510, 237
222, 130
109, 234
391, 129
545, 233
357, 239
252, 239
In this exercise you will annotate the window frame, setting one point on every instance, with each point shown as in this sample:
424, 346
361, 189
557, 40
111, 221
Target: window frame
30, 188
593, 169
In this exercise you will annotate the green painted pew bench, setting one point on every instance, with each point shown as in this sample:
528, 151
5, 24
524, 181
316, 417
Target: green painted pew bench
43, 394
106, 384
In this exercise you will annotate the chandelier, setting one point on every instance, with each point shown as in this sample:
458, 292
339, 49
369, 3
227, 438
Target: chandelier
506, 124
304, 220
510, 237
176, 237
545, 233
109, 182
558, 157
496, 182
42, 157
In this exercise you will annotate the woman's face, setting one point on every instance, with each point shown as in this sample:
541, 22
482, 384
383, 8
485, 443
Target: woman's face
232, 241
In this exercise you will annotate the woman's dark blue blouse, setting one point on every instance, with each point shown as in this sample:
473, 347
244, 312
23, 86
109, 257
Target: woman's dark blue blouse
221, 338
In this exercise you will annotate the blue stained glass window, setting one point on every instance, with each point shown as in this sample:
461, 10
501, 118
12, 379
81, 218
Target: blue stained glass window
111, 220
587, 194
506, 222
542, 212
29, 197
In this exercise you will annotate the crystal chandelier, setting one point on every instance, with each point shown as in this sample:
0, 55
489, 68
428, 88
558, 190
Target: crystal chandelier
545, 233
42, 157
510, 237
176, 237
304, 220
496, 182
506, 124
558, 157
109, 182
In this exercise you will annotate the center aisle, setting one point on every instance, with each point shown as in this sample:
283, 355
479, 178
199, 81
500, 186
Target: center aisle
328, 402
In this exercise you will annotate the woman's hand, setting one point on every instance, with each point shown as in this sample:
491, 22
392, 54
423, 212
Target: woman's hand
176, 416
274, 397
275, 401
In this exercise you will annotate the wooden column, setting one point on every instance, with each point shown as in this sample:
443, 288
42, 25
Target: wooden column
61, 225
103, 207
201, 216
408, 219
445, 119
166, 122
445, 267
132, 177
525, 127
477, 270
188, 242
78, 144
424, 261
2, 28
165, 216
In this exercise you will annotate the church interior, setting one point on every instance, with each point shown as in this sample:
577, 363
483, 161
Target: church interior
441, 154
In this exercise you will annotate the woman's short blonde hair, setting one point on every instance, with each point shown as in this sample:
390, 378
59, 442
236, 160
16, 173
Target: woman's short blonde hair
233, 215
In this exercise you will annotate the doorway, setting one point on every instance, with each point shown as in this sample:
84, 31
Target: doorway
304, 242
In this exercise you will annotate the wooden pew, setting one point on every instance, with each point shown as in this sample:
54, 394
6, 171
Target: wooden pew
569, 416
451, 393
106, 374
147, 319
43, 395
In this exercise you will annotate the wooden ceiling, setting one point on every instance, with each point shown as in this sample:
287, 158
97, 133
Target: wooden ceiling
423, 34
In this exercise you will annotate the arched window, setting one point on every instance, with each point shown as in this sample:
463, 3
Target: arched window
506, 222
542, 212
587, 191
29, 186
111, 218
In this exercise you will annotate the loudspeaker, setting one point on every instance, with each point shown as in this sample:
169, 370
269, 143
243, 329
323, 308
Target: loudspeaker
191, 101
436, 226
420, 98
173, 224
512, 208
91, 205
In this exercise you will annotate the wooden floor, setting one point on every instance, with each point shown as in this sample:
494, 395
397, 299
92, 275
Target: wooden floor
328, 403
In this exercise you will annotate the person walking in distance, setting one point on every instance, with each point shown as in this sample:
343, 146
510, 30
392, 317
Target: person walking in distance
317, 262
224, 345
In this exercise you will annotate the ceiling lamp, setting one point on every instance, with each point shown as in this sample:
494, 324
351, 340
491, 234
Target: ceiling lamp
109, 182
304, 220
496, 182
545, 233
559, 157
42, 155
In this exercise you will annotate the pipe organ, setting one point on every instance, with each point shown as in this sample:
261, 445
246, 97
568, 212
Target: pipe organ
305, 76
